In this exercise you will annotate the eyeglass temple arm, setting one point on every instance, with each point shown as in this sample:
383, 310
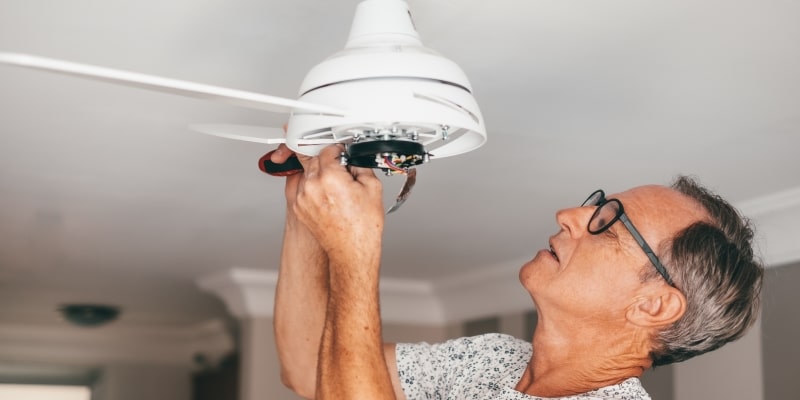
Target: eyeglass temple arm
647, 249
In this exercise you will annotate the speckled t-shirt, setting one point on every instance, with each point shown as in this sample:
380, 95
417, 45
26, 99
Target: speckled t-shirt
482, 367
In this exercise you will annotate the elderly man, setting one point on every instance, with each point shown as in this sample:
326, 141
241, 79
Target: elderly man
646, 277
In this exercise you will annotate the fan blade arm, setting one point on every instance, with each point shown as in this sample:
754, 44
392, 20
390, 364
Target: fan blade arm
168, 85
246, 133
254, 134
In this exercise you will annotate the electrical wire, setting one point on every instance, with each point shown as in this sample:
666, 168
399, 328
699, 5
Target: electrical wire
392, 166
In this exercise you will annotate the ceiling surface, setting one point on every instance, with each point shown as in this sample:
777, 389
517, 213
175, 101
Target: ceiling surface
106, 196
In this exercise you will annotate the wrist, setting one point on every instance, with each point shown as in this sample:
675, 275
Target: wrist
354, 270
298, 238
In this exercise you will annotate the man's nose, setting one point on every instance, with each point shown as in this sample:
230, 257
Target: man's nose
575, 220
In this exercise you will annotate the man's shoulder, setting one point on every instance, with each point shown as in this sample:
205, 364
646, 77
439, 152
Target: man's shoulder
467, 367
629, 389
496, 342
491, 339
489, 342
487, 354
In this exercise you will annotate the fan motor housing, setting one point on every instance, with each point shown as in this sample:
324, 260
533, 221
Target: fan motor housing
390, 87
444, 118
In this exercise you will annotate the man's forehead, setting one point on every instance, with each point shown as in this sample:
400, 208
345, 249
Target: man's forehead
661, 204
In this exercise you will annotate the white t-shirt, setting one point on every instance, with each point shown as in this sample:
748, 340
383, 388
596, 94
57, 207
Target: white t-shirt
482, 367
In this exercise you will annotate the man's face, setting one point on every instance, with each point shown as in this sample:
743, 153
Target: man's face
596, 277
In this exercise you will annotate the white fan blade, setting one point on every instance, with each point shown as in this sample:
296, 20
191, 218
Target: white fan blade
255, 134
191, 89
247, 133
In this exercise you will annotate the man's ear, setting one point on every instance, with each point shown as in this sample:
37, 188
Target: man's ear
657, 307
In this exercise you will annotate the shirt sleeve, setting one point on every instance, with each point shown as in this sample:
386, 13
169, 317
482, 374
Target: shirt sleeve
458, 368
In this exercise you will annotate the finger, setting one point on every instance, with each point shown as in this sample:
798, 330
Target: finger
281, 154
303, 157
330, 157
362, 174
310, 164
305, 160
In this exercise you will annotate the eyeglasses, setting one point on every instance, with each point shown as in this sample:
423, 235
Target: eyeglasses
607, 213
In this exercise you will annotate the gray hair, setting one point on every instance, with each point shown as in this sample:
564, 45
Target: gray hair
713, 265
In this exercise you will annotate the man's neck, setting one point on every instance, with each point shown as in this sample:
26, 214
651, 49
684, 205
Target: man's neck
570, 361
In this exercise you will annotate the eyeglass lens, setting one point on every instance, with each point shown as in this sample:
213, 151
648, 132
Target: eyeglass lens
604, 216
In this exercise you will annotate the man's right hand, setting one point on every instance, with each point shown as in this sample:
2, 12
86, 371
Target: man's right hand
279, 156
341, 205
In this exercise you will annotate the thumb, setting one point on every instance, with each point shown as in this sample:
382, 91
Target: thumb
363, 175
281, 154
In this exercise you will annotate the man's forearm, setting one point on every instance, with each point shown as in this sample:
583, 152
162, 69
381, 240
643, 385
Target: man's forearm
352, 363
300, 303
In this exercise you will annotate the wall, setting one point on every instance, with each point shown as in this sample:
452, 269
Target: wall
781, 332
122, 361
409, 333
260, 370
761, 365
732, 372
267, 367
137, 382
219, 382
660, 382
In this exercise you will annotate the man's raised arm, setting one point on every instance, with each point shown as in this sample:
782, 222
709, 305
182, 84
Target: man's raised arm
301, 296
343, 209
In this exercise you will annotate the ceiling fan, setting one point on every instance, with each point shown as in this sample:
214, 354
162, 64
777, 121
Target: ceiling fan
393, 102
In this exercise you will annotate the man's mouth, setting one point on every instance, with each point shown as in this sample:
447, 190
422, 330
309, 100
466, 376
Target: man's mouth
553, 252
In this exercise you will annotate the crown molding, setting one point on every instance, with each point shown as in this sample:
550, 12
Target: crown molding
494, 290
406, 301
249, 293
246, 292
776, 218
775, 202
62, 343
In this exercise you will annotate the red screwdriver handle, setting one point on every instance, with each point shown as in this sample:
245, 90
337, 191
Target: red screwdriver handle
290, 167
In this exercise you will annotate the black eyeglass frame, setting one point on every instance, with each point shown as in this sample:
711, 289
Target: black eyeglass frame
621, 216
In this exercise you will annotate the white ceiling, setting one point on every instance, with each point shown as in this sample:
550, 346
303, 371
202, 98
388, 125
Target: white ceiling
106, 196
